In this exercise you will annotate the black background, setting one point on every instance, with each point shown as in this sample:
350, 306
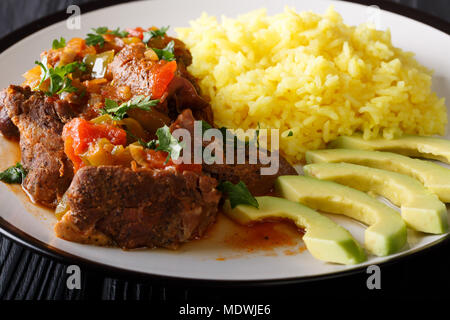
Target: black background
28, 275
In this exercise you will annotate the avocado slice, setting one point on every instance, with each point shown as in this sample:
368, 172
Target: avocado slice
386, 233
421, 209
436, 178
409, 145
324, 239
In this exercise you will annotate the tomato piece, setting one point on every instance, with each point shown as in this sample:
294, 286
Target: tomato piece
189, 167
79, 133
136, 32
162, 73
157, 160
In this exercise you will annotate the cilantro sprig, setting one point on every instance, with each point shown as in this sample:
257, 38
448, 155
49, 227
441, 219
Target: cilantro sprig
14, 174
59, 80
155, 33
166, 142
118, 112
57, 44
205, 125
119, 33
96, 38
166, 53
237, 194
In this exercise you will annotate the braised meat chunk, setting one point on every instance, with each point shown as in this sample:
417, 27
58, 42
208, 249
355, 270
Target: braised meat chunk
40, 120
7, 128
142, 208
131, 68
250, 174
97, 143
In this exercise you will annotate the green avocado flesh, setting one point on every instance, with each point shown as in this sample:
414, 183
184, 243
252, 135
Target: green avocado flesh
414, 146
435, 177
421, 209
386, 233
324, 239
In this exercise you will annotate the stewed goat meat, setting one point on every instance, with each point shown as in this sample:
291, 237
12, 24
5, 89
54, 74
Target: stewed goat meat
94, 119
40, 121
250, 174
142, 208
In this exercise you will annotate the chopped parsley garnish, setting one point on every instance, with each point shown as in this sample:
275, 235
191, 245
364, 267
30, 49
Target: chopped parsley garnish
57, 44
59, 80
154, 33
205, 126
97, 37
165, 142
100, 30
238, 194
290, 134
118, 112
119, 33
14, 174
166, 53
152, 144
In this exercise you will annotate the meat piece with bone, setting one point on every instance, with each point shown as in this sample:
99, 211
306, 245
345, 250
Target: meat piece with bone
141, 208
40, 120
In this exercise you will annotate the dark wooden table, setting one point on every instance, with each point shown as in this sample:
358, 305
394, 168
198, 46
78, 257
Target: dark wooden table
25, 274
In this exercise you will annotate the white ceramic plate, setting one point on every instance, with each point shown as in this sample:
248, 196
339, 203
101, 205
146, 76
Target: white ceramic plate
207, 259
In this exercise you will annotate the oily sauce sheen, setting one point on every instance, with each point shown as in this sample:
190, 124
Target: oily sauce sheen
265, 235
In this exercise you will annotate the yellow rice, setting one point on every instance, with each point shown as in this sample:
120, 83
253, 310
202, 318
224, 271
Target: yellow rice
310, 74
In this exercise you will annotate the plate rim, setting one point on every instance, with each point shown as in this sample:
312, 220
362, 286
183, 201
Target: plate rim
15, 234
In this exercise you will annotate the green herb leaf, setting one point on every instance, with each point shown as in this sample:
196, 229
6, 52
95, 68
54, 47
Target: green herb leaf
119, 33
59, 81
168, 143
14, 174
154, 33
166, 53
290, 134
96, 38
57, 44
152, 144
44, 70
238, 194
100, 30
118, 112
165, 142
205, 126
